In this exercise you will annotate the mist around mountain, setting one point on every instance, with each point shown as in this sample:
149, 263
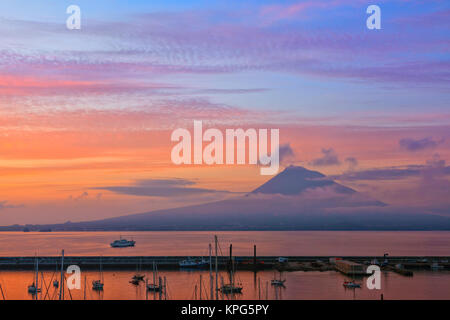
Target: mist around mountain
295, 199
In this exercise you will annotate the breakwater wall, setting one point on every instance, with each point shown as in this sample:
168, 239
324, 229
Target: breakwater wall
172, 262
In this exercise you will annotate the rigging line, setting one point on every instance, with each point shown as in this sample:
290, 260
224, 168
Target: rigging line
167, 291
1, 289
51, 280
45, 285
90, 294
43, 281
70, 294
54, 294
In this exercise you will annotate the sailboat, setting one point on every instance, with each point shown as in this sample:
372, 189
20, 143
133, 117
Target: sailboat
56, 282
351, 284
277, 282
231, 287
97, 285
153, 287
34, 287
138, 277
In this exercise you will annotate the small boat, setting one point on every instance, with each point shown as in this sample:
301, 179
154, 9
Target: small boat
33, 289
153, 287
97, 285
138, 277
56, 282
122, 243
436, 266
229, 288
277, 282
193, 263
351, 284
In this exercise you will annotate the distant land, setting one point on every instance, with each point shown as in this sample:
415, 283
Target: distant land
295, 199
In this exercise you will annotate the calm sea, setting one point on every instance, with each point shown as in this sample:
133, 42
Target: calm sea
270, 243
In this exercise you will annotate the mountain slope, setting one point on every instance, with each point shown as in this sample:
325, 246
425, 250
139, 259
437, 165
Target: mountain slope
295, 199
294, 180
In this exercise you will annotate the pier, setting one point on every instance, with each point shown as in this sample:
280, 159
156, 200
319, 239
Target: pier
306, 263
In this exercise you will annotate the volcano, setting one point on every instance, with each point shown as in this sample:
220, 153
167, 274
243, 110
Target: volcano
295, 199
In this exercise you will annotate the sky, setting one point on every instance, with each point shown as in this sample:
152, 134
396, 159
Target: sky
86, 114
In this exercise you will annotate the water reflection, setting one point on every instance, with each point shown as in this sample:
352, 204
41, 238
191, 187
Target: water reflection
186, 285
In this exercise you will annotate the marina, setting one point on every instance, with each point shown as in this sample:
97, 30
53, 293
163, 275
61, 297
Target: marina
218, 271
182, 284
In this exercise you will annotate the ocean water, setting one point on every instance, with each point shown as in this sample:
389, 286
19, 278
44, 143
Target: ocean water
269, 243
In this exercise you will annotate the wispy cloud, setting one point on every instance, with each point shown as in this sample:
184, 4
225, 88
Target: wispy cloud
329, 158
6, 205
410, 144
165, 188
287, 154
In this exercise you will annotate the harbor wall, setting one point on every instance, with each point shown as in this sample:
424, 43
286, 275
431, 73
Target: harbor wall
171, 262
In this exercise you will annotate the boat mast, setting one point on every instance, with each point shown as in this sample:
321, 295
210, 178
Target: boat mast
217, 279
37, 277
210, 275
259, 288
154, 281
232, 279
165, 288
61, 287
101, 270
200, 287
